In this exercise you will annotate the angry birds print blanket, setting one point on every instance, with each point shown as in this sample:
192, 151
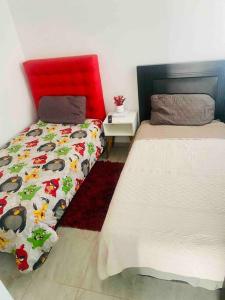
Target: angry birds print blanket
40, 171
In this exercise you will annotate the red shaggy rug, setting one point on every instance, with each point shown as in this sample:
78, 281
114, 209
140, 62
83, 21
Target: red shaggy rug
89, 207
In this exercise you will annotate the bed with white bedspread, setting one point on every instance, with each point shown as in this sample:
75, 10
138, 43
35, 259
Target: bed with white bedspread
167, 215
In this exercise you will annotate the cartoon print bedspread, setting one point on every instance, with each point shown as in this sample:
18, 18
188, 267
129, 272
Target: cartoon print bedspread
40, 171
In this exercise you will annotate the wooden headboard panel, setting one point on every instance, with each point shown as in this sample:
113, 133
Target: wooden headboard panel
182, 78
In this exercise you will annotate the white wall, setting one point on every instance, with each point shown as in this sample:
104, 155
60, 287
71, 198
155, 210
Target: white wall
16, 107
125, 33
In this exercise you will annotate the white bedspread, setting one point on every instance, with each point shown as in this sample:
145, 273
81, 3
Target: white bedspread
168, 212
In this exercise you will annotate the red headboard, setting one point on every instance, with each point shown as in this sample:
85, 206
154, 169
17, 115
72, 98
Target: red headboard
76, 76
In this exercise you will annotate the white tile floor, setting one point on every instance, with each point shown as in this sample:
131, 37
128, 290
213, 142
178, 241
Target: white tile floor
70, 273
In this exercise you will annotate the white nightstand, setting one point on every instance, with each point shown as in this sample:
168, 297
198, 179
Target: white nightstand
126, 125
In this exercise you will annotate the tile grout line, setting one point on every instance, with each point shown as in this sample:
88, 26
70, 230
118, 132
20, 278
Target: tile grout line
76, 294
79, 286
95, 292
27, 287
85, 273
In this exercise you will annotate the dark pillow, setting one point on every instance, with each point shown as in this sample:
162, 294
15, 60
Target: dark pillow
182, 109
62, 109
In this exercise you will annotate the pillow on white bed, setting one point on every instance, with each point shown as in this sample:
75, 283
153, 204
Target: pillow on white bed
62, 109
182, 109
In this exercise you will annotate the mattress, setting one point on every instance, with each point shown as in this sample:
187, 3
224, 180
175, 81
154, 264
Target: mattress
167, 214
40, 171
216, 129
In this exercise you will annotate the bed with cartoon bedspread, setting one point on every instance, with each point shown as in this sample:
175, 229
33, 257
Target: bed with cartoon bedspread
40, 171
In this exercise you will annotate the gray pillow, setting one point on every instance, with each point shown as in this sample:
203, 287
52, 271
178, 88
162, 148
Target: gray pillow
182, 109
62, 109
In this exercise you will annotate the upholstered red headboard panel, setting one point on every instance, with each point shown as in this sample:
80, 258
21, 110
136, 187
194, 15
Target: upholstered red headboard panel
76, 76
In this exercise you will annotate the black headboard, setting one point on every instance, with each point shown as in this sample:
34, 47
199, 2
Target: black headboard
182, 78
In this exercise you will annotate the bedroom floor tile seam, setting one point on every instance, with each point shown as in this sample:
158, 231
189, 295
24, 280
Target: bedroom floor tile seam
93, 290
25, 290
98, 293
81, 286
78, 287
61, 284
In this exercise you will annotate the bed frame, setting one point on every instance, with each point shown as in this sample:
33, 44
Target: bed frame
182, 78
